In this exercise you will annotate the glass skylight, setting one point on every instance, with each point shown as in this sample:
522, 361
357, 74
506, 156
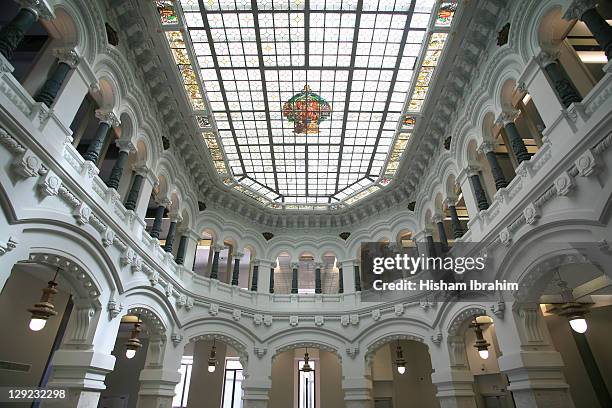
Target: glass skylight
360, 56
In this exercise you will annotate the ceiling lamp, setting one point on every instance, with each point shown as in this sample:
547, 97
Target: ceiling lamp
306, 110
399, 359
212, 359
573, 311
481, 344
306, 367
44, 309
134, 343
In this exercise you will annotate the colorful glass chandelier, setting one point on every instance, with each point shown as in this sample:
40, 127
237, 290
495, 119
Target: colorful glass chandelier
306, 110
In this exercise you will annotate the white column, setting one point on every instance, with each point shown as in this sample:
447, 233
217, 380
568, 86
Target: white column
263, 283
356, 382
348, 275
148, 183
192, 243
84, 359
452, 376
257, 383
534, 368
160, 375
468, 192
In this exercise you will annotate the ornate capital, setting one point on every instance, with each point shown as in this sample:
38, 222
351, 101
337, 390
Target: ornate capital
546, 58
577, 8
67, 56
449, 201
486, 147
125, 146
507, 117
218, 247
318, 265
238, 255
295, 265
472, 170
107, 117
164, 202
176, 218
256, 262
436, 218
41, 8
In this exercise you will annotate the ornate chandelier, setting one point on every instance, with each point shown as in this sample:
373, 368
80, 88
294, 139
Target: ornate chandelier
306, 110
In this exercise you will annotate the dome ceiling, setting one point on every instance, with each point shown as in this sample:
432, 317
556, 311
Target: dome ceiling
306, 105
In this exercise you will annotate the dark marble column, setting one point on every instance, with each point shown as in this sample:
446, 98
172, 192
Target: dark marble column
430, 246
438, 219
236, 270
12, 33
107, 120
455, 223
340, 280
48, 92
132, 197
357, 278
294, 277
157, 222
496, 171
318, 288
115, 176
171, 235
182, 249
271, 290
599, 27
214, 270
255, 276
562, 84
479, 193
516, 142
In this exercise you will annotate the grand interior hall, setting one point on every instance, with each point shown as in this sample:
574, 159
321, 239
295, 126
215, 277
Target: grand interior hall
215, 203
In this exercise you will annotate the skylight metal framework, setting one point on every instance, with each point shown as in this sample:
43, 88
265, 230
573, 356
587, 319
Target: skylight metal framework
360, 55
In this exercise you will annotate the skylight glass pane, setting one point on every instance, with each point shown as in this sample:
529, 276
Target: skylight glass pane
359, 58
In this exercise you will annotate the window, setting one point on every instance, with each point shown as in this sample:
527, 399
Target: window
181, 391
232, 384
306, 385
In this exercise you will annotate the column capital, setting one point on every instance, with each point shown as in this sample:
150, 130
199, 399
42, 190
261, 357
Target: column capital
41, 8
174, 217
189, 233
436, 218
164, 202
450, 201
547, 57
125, 146
486, 147
576, 9
472, 170
507, 117
295, 265
67, 56
238, 255
107, 117
218, 247
347, 263
144, 171
318, 265
257, 262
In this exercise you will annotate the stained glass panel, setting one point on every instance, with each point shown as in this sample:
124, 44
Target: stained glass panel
446, 13
167, 12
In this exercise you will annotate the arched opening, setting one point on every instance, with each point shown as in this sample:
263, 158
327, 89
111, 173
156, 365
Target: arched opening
36, 39
31, 351
202, 260
136, 333
401, 372
575, 306
299, 385
490, 384
577, 55
211, 374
